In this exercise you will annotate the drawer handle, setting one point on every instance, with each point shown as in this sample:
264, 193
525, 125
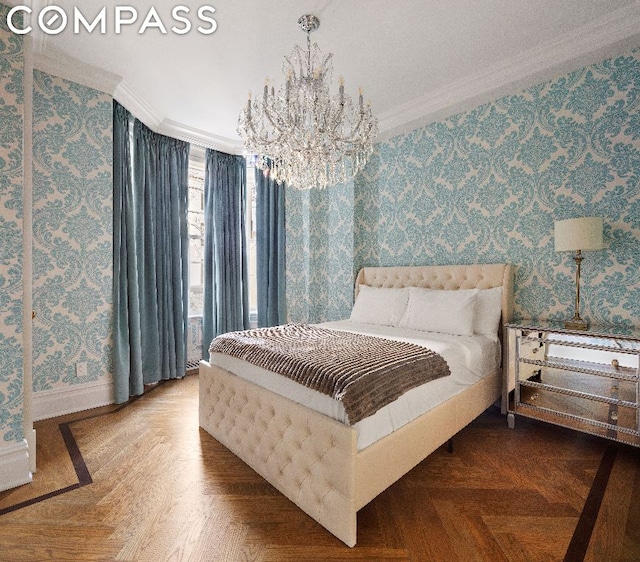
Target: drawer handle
615, 364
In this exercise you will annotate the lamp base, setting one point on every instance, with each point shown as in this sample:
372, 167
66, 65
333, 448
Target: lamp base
576, 323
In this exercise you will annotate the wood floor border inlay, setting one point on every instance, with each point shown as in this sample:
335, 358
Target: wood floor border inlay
82, 473
80, 467
577, 548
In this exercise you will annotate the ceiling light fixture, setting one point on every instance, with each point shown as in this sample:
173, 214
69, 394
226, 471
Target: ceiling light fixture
313, 139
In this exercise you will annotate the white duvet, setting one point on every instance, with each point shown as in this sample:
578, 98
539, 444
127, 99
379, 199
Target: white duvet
470, 358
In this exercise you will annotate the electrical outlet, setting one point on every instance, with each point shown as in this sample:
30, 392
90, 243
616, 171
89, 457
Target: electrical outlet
81, 369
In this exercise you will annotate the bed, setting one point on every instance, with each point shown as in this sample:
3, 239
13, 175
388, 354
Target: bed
319, 462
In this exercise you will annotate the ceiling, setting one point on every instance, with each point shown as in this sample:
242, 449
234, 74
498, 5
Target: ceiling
416, 60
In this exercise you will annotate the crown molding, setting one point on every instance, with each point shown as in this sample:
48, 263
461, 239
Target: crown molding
146, 113
137, 105
143, 111
60, 64
200, 138
591, 43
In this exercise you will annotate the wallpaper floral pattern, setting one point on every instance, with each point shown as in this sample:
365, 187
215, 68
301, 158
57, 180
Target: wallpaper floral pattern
72, 232
320, 258
11, 152
486, 186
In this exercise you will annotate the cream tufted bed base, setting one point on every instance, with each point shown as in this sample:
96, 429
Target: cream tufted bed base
312, 459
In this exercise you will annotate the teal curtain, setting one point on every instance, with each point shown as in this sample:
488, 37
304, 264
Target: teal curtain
150, 256
270, 250
226, 287
126, 311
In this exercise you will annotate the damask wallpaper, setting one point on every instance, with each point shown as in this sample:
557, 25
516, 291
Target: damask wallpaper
11, 177
486, 186
72, 233
320, 238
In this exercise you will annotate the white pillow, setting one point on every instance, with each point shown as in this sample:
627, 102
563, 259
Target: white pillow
383, 306
488, 311
449, 312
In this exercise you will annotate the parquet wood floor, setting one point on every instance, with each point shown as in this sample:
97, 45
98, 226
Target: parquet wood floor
148, 484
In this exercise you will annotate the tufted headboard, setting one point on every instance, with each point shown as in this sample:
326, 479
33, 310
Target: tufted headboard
448, 277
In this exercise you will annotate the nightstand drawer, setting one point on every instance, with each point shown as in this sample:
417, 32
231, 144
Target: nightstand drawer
618, 417
603, 351
593, 383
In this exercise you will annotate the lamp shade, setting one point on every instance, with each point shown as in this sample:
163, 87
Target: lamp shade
584, 233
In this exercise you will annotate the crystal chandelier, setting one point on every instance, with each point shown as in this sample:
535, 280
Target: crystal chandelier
312, 138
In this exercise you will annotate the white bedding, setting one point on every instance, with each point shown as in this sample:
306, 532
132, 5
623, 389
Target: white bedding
469, 358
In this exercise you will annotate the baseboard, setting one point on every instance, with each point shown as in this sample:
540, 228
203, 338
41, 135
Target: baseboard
53, 403
30, 438
14, 465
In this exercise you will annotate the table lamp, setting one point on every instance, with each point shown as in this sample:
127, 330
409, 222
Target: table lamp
578, 235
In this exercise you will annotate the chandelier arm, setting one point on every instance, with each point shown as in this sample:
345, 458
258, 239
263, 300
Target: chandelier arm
256, 139
338, 117
354, 132
267, 113
252, 127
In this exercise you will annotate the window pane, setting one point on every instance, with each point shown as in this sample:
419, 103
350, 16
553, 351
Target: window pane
196, 240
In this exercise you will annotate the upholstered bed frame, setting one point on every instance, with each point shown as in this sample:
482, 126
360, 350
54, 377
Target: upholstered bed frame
313, 459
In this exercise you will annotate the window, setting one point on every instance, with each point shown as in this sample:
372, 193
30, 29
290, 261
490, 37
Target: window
196, 239
196, 234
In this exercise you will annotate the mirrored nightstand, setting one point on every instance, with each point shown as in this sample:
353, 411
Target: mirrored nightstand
584, 380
